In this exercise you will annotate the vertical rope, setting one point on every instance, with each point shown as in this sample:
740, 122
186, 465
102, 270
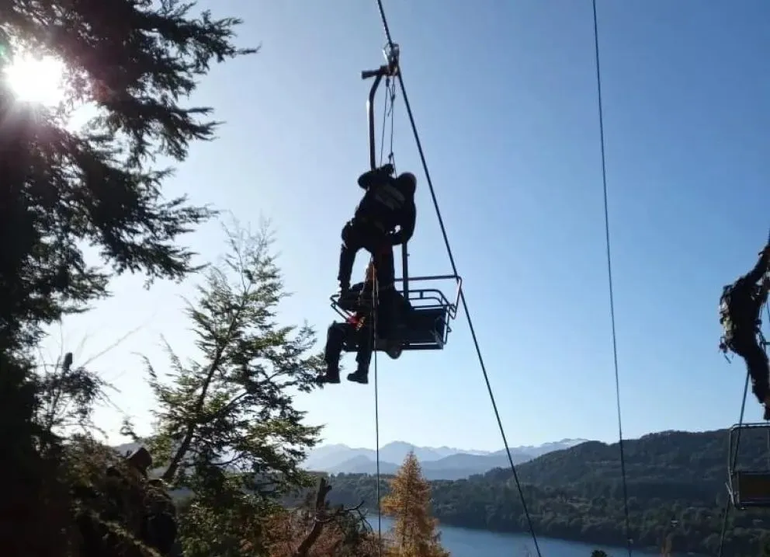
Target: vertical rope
611, 290
375, 301
732, 463
384, 121
464, 302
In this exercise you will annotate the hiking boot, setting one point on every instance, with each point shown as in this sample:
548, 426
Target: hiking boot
329, 376
359, 377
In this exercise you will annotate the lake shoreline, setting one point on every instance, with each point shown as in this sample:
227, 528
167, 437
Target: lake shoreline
525, 535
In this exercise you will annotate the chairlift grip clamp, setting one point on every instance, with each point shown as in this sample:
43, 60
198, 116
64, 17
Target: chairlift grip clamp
392, 53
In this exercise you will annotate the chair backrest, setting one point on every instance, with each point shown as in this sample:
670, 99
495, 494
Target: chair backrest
752, 488
426, 326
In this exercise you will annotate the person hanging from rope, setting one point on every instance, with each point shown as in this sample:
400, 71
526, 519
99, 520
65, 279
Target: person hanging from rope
358, 327
387, 204
739, 314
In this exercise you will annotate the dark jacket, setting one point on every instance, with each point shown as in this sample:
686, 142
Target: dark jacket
388, 202
742, 301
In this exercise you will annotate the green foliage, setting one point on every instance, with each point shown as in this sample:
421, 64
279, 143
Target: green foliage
61, 190
209, 525
117, 511
66, 397
64, 188
227, 428
675, 485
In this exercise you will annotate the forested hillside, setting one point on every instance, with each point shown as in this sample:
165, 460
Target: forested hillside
675, 487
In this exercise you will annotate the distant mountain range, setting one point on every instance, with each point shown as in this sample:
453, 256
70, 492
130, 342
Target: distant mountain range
674, 487
442, 463
438, 463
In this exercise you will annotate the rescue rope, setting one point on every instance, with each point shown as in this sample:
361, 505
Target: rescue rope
375, 301
390, 97
463, 301
733, 461
609, 277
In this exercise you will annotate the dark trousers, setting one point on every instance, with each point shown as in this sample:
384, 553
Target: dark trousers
360, 234
335, 339
747, 347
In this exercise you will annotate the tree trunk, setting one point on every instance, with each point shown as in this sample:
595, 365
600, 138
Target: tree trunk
320, 505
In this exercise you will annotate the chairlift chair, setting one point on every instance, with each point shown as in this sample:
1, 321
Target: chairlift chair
747, 487
427, 325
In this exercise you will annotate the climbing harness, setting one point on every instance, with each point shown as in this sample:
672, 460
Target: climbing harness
629, 540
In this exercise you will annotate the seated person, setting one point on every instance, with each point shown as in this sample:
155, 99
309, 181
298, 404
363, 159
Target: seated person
358, 327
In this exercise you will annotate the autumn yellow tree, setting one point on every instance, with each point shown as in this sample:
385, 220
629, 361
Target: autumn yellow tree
415, 531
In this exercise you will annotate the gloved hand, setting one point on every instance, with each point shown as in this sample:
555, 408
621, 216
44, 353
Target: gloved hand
394, 239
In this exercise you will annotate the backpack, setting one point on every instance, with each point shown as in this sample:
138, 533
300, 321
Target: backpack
725, 306
740, 308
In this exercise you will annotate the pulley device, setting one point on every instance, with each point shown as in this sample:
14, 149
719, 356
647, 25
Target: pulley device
427, 325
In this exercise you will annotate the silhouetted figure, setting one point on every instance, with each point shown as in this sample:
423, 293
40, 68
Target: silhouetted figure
387, 205
359, 329
739, 314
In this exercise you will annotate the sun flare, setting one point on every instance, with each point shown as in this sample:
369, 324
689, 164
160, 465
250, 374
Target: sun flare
36, 79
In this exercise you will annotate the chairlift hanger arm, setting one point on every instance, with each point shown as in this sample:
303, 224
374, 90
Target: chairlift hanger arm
387, 70
391, 70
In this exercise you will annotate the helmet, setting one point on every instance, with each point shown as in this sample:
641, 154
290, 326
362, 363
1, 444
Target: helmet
407, 182
140, 459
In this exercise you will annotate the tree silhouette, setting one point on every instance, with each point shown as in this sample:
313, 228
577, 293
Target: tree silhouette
64, 191
63, 188
415, 532
227, 428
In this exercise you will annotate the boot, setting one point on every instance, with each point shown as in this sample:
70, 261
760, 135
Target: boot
344, 290
331, 375
359, 376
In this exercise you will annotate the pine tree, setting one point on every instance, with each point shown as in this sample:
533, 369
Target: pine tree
226, 423
134, 62
415, 532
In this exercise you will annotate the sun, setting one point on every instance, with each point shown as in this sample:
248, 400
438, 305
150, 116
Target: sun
36, 79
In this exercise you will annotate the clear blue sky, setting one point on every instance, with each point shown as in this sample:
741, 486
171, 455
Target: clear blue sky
505, 97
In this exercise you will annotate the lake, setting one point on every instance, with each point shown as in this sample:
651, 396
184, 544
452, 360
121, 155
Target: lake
461, 542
